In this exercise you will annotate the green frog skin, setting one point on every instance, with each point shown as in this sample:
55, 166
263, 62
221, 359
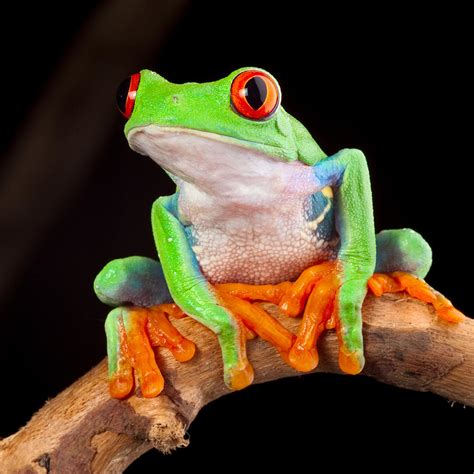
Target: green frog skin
261, 213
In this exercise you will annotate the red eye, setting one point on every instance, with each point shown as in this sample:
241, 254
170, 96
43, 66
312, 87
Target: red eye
255, 95
126, 94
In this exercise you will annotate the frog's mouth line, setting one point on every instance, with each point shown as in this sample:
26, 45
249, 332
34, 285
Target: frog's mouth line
212, 161
272, 152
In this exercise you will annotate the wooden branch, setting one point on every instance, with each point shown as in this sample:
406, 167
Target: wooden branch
84, 430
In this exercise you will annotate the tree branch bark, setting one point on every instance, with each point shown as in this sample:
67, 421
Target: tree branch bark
84, 430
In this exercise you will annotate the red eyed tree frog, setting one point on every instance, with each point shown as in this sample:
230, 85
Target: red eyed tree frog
261, 213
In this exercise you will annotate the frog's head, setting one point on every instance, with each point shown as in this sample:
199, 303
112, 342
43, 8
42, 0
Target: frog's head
190, 128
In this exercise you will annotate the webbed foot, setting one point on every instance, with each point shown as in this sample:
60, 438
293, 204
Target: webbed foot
131, 333
317, 293
314, 294
237, 298
381, 283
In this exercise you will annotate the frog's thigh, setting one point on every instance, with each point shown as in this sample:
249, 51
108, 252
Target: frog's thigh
402, 250
136, 280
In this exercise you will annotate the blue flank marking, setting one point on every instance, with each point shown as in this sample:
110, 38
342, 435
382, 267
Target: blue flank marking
172, 204
172, 207
326, 229
329, 171
188, 231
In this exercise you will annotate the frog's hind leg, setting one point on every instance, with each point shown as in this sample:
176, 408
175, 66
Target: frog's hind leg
403, 260
140, 321
133, 280
403, 250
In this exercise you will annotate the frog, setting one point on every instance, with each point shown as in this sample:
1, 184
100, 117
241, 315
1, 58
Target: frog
260, 214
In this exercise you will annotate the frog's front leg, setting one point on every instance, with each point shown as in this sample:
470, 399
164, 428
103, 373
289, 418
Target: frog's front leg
136, 286
332, 293
220, 311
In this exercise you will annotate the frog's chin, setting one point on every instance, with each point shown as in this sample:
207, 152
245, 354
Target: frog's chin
159, 131
209, 160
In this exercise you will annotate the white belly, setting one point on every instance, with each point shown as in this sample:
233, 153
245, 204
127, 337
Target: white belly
259, 248
246, 218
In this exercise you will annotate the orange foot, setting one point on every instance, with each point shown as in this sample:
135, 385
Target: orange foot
238, 297
381, 283
131, 334
314, 292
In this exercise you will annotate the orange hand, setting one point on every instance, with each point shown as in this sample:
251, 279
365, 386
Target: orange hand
268, 293
294, 298
259, 321
317, 288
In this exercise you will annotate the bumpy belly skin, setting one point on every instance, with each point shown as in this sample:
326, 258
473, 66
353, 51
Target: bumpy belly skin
262, 223
252, 255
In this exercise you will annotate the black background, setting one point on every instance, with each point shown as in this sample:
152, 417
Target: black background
391, 81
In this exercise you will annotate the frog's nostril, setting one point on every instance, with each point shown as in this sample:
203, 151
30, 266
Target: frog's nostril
126, 94
175, 99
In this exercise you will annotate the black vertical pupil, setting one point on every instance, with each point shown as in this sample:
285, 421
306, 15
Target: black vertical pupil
122, 94
256, 92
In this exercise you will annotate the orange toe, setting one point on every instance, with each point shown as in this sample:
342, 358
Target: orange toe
121, 385
163, 334
450, 314
152, 384
172, 310
380, 283
375, 285
302, 358
295, 296
184, 351
351, 363
241, 377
